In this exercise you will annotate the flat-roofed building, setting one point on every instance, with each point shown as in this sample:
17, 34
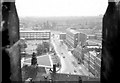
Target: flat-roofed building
62, 36
72, 37
93, 42
98, 36
35, 35
86, 31
92, 57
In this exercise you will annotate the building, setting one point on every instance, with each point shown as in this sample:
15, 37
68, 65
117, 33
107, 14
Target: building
92, 63
91, 36
75, 40
92, 57
89, 33
93, 42
62, 36
35, 35
82, 37
98, 36
86, 31
71, 38
77, 53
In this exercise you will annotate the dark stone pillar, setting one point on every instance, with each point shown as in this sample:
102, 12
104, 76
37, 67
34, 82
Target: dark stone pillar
10, 35
111, 43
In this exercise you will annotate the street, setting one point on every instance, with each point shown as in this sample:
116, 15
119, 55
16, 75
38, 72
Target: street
69, 64
67, 59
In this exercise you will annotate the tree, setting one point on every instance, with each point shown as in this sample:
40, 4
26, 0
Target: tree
46, 46
43, 48
40, 49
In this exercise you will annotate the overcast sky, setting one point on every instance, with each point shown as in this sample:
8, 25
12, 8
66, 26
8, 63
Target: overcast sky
61, 7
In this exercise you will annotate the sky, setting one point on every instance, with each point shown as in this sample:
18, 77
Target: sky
48, 8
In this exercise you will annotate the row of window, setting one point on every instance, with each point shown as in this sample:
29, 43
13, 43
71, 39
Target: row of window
62, 36
93, 63
72, 37
35, 32
70, 43
71, 34
34, 35
30, 35
69, 39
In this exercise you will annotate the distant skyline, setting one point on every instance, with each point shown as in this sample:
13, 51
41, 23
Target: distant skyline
51, 8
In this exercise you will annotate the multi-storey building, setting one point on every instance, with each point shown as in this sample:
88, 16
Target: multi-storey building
35, 35
77, 53
62, 36
75, 40
91, 36
93, 42
92, 57
82, 37
98, 36
72, 38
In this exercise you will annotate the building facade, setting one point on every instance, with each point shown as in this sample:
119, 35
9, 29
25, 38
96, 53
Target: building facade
35, 35
92, 57
62, 36
71, 38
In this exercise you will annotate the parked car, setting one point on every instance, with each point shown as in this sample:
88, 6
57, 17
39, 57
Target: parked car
75, 71
74, 64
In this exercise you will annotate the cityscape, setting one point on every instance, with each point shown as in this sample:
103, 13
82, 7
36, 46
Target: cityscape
60, 41
61, 48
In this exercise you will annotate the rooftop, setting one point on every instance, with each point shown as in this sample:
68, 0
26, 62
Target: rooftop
72, 31
64, 77
62, 33
94, 42
73, 78
34, 31
86, 31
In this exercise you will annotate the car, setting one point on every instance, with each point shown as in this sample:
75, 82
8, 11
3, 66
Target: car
74, 64
75, 71
79, 63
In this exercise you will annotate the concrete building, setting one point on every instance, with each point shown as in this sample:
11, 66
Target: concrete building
35, 35
62, 36
92, 57
71, 38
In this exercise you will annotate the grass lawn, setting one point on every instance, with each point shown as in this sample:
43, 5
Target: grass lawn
41, 60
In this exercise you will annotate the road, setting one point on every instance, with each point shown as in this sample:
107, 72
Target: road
67, 65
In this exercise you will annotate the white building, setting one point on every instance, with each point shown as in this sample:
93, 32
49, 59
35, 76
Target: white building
35, 35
